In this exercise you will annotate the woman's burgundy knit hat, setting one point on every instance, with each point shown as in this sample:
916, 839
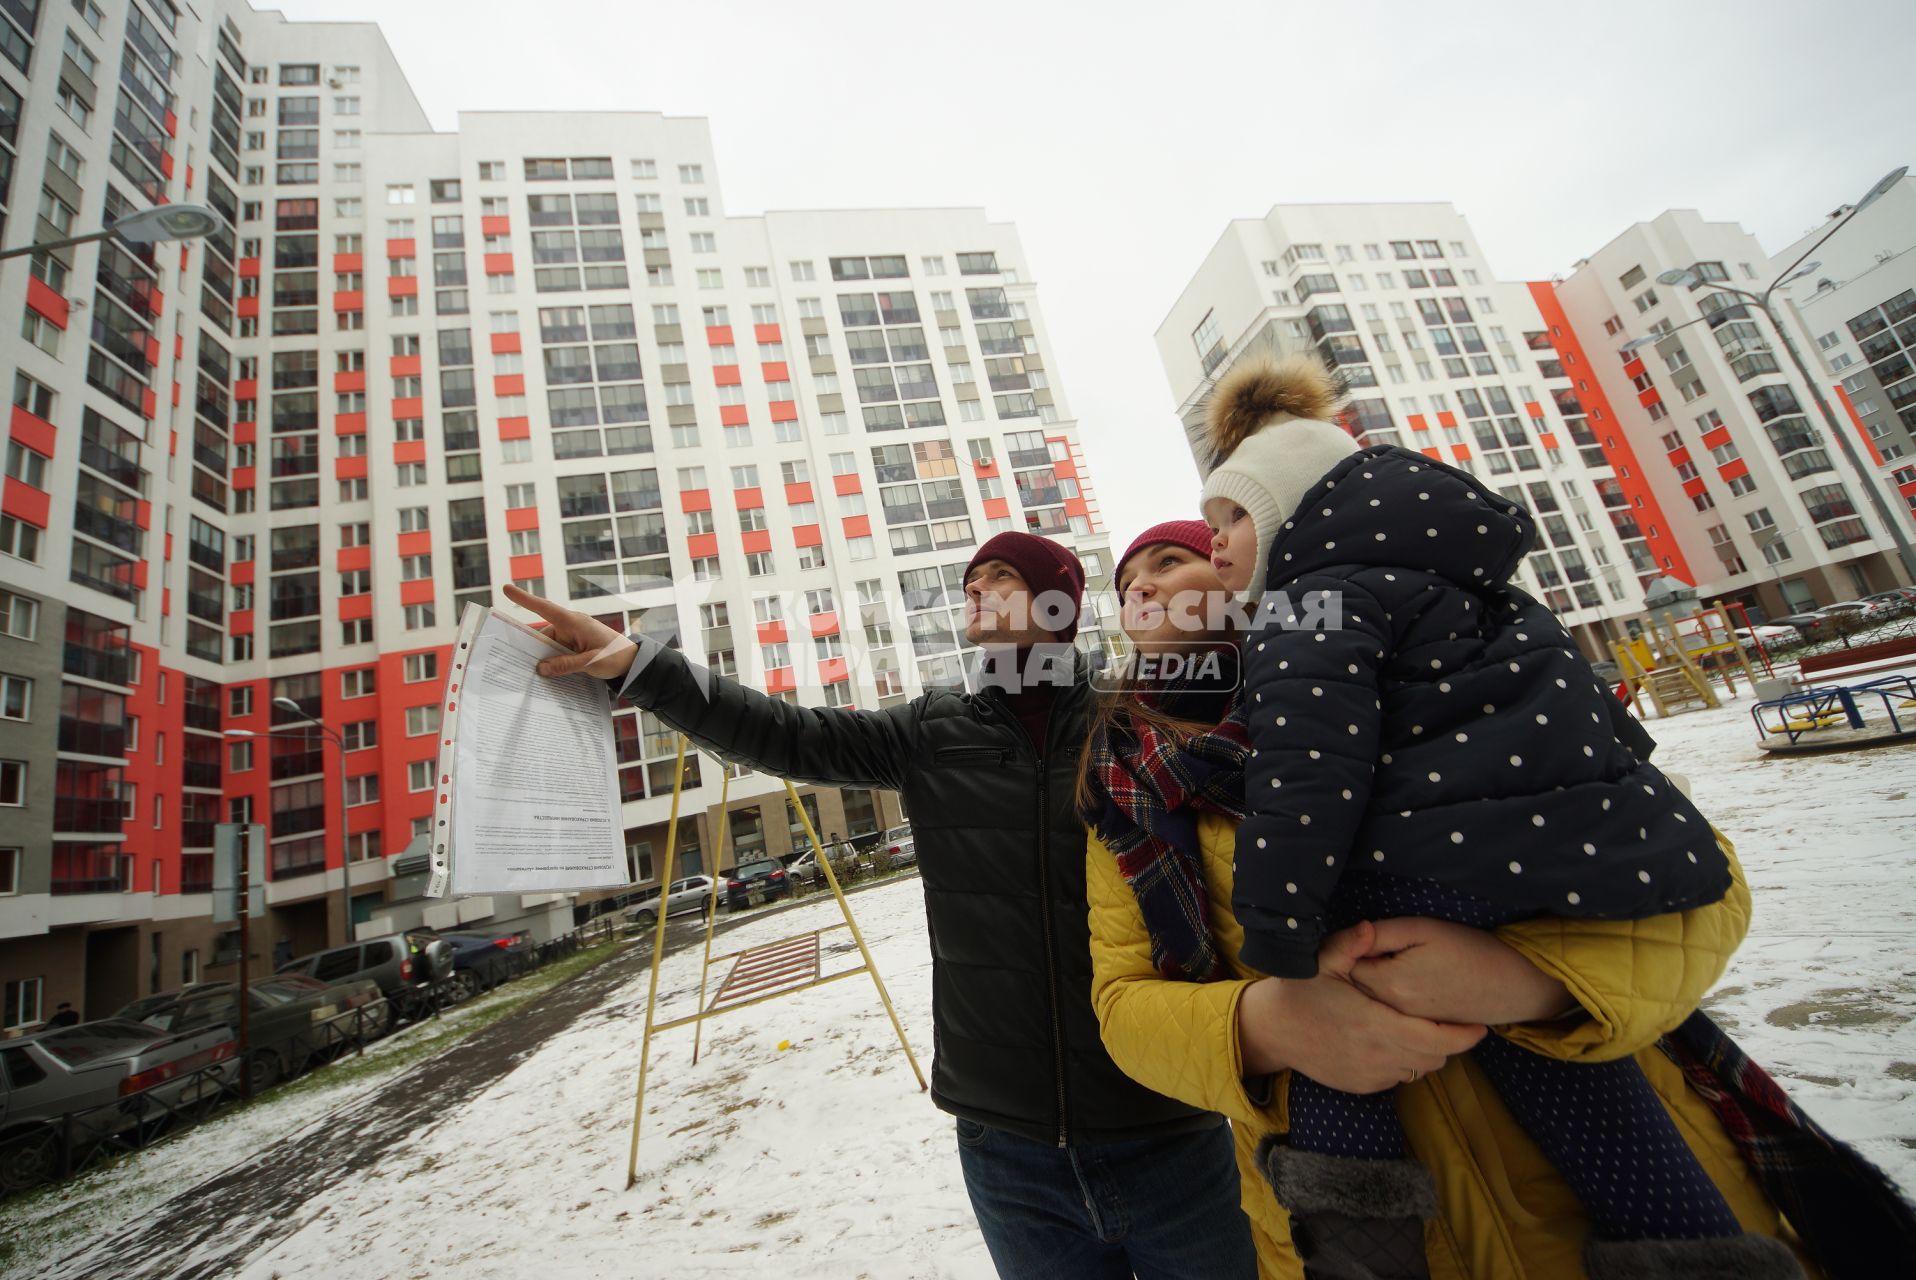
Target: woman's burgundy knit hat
1194, 534
1043, 564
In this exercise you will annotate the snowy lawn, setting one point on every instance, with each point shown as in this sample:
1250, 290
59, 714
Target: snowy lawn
824, 1160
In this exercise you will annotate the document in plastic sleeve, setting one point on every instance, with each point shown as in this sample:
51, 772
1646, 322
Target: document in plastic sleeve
528, 795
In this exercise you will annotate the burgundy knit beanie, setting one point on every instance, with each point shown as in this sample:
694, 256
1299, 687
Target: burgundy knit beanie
1194, 534
1043, 564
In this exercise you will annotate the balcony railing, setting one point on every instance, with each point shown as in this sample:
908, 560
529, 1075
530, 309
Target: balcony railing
298, 765
196, 835
201, 715
109, 529
196, 873
201, 773
97, 664
289, 822
113, 466
92, 738
88, 815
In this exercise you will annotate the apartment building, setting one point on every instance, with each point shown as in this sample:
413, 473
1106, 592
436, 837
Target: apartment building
408, 367
1441, 356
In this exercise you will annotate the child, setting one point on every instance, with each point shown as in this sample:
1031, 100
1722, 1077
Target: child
1426, 740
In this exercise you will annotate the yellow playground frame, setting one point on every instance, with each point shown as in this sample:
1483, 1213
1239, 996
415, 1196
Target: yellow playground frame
758, 974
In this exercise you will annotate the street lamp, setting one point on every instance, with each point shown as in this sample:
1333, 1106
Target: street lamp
345, 847
1685, 277
148, 226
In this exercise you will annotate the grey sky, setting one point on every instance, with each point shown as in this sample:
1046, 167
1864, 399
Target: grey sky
1120, 137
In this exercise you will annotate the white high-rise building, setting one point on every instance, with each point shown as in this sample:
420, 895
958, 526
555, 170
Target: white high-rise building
412, 366
1439, 355
1764, 506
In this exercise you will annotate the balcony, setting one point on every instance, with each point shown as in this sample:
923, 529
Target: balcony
88, 815
288, 822
583, 504
200, 715
108, 667
196, 835
201, 773
294, 604
298, 765
466, 576
109, 529
196, 873
468, 530
205, 606
92, 738
299, 861
114, 467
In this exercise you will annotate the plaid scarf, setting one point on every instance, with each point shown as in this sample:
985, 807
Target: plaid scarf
1851, 1219
1151, 788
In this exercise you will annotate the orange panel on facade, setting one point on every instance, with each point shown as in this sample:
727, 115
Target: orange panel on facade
349, 300
498, 264
515, 428
349, 262
249, 267
240, 622
997, 508
771, 633
409, 451
780, 680
1694, 487
775, 371
1546, 439
350, 468
784, 411
523, 567
405, 248
727, 375
732, 415
359, 606
764, 333
36, 433
1716, 439
842, 485
45, 301
1417, 423
858, 526
416, 543
1460, 452
756, 540
402, 287
246, 308
831, 670
1446, 419
350, 558
419, 592
143, 517
244, 477
796, 493
409, 407
521, 518
349, 424
509, 384
404, 366
701, 545
984, 466
246, 389
806, 535
1733, 470
746, 498
502, 343
149, 403
24, 502
695, 500
241, 571
1648, 398
1677, 457
718, 335
1532, 408
247, 432
495, 225
823, 624
350, 381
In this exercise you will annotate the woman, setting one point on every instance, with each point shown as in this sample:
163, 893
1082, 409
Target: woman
1581, 989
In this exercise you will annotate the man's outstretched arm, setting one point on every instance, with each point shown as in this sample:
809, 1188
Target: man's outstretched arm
829, 745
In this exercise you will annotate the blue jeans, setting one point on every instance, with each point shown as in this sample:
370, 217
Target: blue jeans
1157, 1208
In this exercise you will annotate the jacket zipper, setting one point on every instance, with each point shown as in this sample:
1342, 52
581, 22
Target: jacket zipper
1044, 906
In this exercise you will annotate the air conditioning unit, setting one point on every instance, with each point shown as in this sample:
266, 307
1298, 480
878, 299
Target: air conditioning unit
333, 84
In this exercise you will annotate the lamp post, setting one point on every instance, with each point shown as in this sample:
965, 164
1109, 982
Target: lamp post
345, 848
1685, 277
148, 226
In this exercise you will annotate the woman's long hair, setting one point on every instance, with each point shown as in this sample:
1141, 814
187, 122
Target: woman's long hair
1116, 711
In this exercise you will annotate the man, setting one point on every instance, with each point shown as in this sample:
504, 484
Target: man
1073, 1169
65, 1016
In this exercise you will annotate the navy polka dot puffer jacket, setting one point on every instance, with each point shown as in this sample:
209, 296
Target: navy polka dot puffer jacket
1429, 720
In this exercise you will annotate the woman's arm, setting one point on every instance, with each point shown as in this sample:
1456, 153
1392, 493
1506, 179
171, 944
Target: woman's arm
1453, 972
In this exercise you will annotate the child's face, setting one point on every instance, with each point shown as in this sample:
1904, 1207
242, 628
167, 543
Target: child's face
1233, 543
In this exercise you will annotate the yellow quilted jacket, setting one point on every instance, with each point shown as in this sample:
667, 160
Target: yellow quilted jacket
1506, 1214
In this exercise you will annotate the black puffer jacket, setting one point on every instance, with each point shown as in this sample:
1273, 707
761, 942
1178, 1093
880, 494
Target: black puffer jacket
1448, 730
1001, 854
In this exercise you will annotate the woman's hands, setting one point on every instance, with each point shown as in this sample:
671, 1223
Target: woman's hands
597, 650
1454, 973
1335, 1033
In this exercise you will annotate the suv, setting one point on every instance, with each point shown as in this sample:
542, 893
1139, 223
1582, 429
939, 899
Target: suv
290, 1019
687, 895
898, 849
755, 882
399, 963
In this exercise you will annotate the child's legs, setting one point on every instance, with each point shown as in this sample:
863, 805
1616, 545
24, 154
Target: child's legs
1330, 1122
1607, 1133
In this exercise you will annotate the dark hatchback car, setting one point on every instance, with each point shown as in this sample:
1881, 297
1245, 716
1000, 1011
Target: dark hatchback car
401, 964
288, 1019
757, 882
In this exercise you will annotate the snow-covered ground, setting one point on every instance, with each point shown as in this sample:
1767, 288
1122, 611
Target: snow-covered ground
823, 1159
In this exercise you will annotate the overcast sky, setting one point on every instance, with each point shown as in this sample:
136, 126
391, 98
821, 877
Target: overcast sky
1122, 136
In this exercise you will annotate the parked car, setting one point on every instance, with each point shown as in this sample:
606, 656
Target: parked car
81, 1071
898, 849
1806, 624
1894, 603
481, 961
762, 881
1607, 671
1769, 634
287, 1015
687, 896
402, 964
805, 870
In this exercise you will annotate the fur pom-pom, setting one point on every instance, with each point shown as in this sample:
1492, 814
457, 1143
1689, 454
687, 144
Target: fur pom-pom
1258, 389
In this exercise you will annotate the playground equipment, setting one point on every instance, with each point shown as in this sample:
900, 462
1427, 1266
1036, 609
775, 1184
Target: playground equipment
1837, 707
758, 974
1677, 660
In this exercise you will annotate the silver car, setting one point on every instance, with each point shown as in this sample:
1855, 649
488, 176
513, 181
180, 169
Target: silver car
688, 895
898, 849
110, 1076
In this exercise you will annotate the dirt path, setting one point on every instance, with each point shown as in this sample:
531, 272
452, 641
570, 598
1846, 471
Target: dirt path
211, 1229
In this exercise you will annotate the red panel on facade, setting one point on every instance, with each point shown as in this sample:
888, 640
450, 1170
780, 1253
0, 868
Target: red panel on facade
349, 424
701, 545
241, 572
360, 606
246, 389
401, 249
492, 225
1438, 454
416, 543
1547, 440
842, 485
166, 600
997, 508
24, 502
246, 308
504, 342
806, 535
766, 333
149, 403
745, 498
172, 123
522, 518
796, 493
831, 671
718, 334
350, 468
1076, 507
349, 300
498, 264
240, 622
139, 574
509, 384
985, 468
771, 633
153, 352
1731, 470
732, 415
244, 477
1716, 439
45, 301
156, 302
780, 680
523, 567
36, 433
167, 554
349, 558
349, 262
727, 375
419, 592
353, 381
410, 407
695, 500
166, 164
515, 428
1677, 457
775, 371
1633, 367
784, 411
1460, 452
1446, 419
858, 526
143, 517
1694, 486
1417, 422
1065, 469
402, 287
179, 346
404, 366
409, 451
1648, 398
176, 386
756, 540
1532, 408
248, 267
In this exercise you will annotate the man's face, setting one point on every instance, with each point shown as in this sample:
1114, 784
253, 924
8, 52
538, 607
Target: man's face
1000, 608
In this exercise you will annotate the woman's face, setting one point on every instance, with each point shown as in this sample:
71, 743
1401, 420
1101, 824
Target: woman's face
1168, 593
1233, 542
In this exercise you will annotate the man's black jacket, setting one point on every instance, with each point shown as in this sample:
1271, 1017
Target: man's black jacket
1001, 853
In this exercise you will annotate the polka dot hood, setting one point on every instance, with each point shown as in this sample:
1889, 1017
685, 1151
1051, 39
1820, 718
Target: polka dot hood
1412, 713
